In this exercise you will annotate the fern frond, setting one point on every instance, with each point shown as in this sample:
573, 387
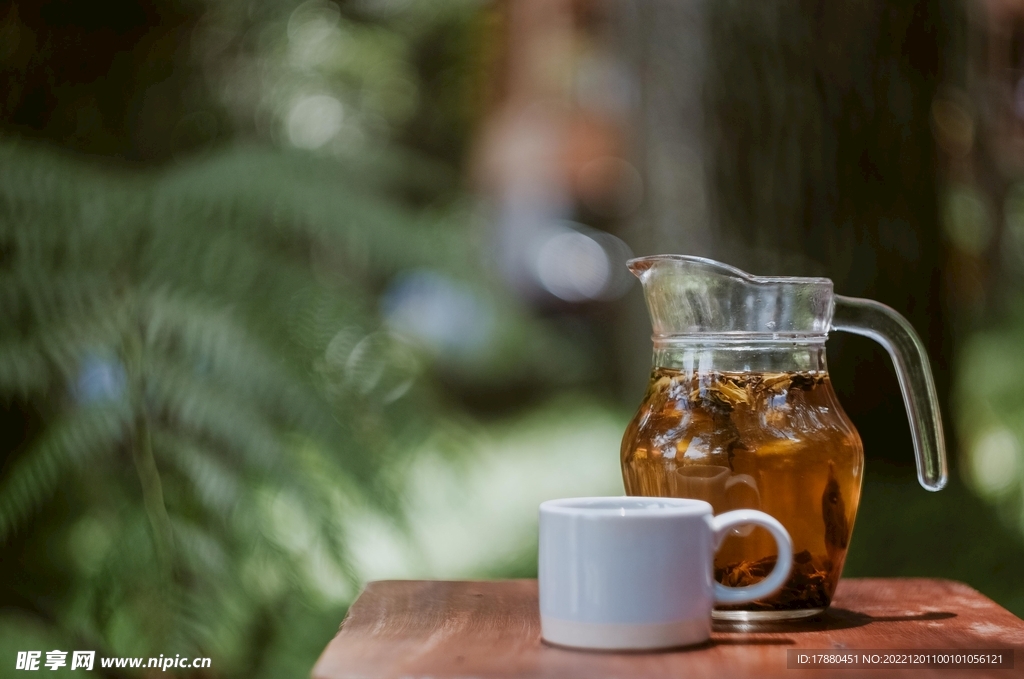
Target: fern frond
211, 344
214, 483
185, 403
24, 370
224, 294
82, 437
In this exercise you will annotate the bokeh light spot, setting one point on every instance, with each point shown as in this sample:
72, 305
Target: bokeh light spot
314, 120
573, 267
995, 461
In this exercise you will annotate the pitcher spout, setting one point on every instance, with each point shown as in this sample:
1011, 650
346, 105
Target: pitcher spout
697, 297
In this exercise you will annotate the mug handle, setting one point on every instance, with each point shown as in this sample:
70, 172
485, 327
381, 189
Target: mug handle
721, 525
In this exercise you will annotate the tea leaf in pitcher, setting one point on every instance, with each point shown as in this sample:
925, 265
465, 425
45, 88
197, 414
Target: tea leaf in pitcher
775, 382
808, 585
661, 385
732, 391
833, 511
726, 436
734, 445
806, 381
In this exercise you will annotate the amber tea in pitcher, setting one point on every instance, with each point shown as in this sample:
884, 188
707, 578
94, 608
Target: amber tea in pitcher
740, 412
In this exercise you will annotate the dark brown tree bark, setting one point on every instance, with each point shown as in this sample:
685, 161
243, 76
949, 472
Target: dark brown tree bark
814, 156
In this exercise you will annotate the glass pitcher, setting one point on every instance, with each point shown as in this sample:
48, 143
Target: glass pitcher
740, 412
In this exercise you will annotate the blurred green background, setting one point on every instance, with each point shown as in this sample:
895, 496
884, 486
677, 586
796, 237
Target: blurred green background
298, 295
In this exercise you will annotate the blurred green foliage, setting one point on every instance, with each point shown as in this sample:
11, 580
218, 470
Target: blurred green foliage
203, 354
194, 362
990, 413
203, 416
903, 531
988, 399
213, 387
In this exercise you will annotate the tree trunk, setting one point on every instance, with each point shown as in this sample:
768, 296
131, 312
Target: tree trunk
803, 128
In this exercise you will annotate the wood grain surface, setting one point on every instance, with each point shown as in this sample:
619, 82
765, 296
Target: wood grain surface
448, 630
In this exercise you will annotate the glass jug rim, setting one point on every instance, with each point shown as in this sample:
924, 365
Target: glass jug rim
636, 266
689, 297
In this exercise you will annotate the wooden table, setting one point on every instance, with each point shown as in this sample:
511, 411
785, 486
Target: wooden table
449, 630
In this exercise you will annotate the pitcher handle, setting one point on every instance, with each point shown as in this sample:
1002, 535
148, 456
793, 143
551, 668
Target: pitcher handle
882, 324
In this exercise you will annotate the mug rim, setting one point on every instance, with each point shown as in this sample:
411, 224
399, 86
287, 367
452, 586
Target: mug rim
627, 506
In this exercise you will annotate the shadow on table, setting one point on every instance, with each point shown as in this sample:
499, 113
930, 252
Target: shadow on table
832, 619
711, 643
753, 641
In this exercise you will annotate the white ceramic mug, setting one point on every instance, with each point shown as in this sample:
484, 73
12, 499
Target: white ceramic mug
631, 573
